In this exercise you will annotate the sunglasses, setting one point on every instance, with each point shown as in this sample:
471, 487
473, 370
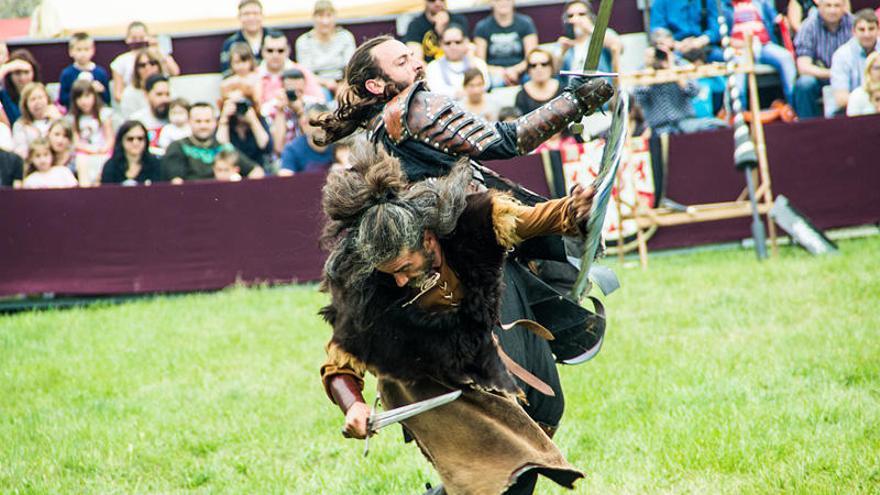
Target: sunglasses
141, 65
133, 139
532, 65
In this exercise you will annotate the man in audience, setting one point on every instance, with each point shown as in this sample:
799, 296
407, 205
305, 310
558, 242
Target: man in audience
252, 32
503, 39
445, 74
820, 36
848, 62
693, 24
423, 32
275, 61
136, 37
289, 109
325, 49
81, 49
193, 157
156, 115
11, 169
303, 154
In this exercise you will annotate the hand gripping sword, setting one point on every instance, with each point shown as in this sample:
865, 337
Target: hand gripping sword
377, 421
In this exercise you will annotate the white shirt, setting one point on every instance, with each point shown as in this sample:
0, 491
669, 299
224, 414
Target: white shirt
124, 66
55, 177
447, 77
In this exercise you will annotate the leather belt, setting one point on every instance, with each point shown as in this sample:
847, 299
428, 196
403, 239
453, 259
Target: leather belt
521, 373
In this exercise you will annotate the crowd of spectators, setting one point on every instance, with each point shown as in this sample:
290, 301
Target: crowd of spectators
122, 124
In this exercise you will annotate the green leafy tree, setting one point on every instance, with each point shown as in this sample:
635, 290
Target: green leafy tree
17, 8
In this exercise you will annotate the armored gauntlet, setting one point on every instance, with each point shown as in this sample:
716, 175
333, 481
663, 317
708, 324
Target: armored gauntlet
575, 103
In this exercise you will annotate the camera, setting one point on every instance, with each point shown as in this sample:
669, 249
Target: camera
291, 95
241, 107
568, 30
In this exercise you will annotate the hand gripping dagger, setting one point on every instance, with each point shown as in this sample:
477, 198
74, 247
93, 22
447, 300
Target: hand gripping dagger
377, 421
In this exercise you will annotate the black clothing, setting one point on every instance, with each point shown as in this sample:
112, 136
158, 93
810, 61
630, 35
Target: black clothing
421, 31
525, 103
115, 168
11, 168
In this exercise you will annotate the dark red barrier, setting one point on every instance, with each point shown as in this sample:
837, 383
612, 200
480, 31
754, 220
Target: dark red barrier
117, 240
199, 53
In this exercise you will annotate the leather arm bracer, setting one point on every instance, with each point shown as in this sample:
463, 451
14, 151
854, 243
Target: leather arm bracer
345, 391
574, 104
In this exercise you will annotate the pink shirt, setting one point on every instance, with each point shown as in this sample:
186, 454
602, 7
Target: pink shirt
747, 17
272, 84
55, 177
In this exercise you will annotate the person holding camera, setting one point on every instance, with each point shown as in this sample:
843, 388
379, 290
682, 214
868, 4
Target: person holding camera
123, 67
241, 126
289, 106
578, 24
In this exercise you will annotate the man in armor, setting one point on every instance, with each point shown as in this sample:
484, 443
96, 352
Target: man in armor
384, 94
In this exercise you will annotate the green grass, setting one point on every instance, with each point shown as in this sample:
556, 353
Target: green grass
719, 375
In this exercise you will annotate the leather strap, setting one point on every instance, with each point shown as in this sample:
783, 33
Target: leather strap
345, 391
521, 373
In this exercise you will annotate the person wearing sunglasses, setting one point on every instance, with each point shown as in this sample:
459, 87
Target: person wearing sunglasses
276, 52
445, 75
131, 162
541, 86
124, 67
424, 31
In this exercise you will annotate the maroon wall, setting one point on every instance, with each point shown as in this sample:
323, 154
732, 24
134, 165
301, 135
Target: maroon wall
199, 53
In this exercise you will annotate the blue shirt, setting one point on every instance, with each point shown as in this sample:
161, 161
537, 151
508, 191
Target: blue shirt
848, 65
684, 18
9, 106
298, 156
69, 76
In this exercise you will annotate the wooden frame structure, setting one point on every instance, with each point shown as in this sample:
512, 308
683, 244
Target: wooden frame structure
652, 218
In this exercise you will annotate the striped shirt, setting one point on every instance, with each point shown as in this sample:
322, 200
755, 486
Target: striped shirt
814, 40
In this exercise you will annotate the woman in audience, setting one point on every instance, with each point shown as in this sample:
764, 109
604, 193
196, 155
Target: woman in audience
475, 100
40, 171
241, 126
60, 138
92, 130
21, 70
37, 112
134, 98
859, 102
541, 87
137, 38
131, 162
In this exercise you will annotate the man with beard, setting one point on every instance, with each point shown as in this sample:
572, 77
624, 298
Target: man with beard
429, 133
156, 115
414, 274
193, 157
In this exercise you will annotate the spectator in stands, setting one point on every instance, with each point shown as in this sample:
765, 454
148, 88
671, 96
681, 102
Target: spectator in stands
509, 114
445, 74
11, 169
6, 143
289, 109
81, 49
241, 125
193, 157
758, 18
341, 155
859, 102
541, 86
252, 32
243, 68
134, 96
475, 96
123, 67
325, 49
37, 113
21, 70
275, 61
423, 32
668, 108
303, 154
40, 171
693, 24
155, 116
503, 39
798, 10
574, 51
177, 127
848, 62
4, 52
820, 36
131, 162
226, 166
92, 131
61, 139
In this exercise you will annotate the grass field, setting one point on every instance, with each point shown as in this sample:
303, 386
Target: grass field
719, 375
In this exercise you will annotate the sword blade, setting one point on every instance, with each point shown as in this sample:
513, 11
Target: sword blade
597, 41
381, 420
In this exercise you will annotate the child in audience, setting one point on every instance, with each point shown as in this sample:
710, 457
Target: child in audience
226, 166
40, 172
243, 67
37, 112
60, 138
341, 154
178, 123
509, 114
92, 130
81, 49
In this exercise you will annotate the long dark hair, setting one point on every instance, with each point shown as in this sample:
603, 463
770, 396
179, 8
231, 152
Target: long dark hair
117, 165
81, 88
27, 56
356, 105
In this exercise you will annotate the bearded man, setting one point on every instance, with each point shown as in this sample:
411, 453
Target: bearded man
414, 274
429, 133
